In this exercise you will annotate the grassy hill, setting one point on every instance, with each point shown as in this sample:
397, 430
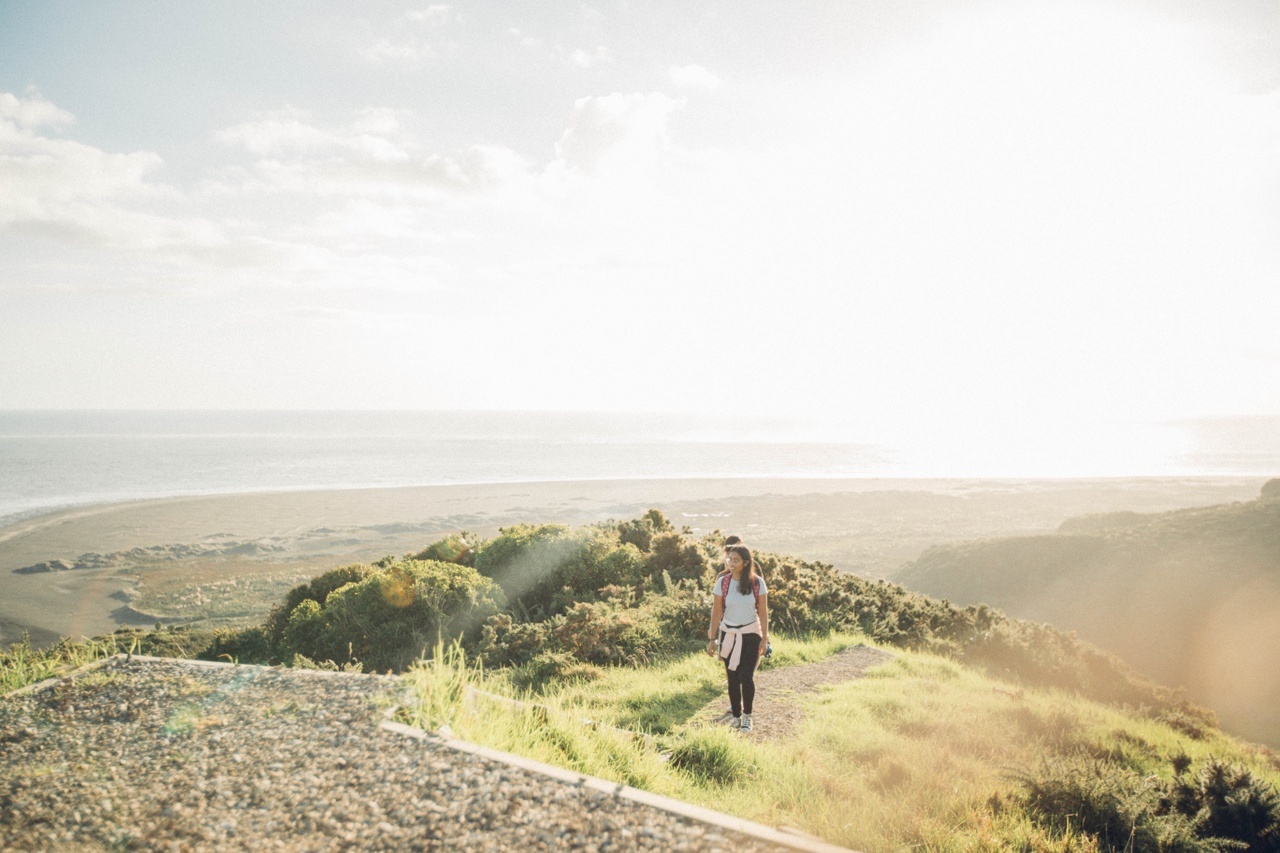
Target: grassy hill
1190, 598
983, 732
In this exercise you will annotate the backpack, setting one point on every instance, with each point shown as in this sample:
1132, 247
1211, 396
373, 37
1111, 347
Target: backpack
724, 586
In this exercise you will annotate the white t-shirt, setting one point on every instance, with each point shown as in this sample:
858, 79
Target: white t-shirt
739, 609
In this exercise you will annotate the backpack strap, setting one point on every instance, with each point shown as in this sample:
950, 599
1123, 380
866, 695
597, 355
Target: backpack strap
755, 586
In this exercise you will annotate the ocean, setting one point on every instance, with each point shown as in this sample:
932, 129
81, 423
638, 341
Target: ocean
51, 460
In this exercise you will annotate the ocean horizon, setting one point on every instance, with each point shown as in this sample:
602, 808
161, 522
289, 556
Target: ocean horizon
51, 460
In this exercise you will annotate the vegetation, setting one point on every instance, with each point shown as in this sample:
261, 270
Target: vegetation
583, 647
21, 664
1186, 597
922, 752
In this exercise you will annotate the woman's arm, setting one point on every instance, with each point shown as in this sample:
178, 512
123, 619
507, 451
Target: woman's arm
762, 610
717, 611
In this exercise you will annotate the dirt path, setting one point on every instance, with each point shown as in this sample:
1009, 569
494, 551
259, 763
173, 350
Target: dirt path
777, 714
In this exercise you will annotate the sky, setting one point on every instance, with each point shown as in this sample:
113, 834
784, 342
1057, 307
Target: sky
987, 231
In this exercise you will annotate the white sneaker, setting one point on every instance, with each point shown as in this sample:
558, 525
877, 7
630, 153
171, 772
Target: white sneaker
746, 722
735, 723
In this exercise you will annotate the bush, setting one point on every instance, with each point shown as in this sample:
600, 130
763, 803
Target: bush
640, 531
680, 619
316, 590
1271, 490
238, 645
391, 618
598, 633
545, 569
506, 642
527, 562
1227, 801
678, 557
1223, 806
454, 548
1113, 804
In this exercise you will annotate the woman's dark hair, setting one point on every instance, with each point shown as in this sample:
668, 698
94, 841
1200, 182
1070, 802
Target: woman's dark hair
746, 581
733, 540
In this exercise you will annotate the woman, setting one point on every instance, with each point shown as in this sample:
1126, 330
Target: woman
739, 628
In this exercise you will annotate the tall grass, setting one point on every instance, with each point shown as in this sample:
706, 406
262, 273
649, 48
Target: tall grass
21, 665
920, 753
452, 692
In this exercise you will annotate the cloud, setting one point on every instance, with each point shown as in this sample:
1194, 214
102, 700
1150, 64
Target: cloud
526, 41
65, 190
408, 51
290, 132
417, 37
588, 59
617, 132
435, 15
368, 156
31, 113
693, 77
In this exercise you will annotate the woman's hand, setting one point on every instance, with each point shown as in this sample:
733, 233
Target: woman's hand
711, 648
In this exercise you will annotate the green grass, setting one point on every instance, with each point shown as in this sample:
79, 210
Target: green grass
21, 665
920, 753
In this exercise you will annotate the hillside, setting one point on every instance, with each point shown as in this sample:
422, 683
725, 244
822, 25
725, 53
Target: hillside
960, 729
1189, 598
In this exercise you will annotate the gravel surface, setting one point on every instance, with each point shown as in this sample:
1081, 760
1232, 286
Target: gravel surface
173, 755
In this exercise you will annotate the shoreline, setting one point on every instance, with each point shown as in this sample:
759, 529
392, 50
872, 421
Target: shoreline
907, 480
96, 558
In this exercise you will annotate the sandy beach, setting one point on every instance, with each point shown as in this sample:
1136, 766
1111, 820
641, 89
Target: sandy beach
86, 571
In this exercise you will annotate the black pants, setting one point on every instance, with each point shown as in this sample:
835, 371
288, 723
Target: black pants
742, 681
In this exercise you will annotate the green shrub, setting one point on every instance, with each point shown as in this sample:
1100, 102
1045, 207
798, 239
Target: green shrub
454, 548
238, 645
316, 590
677, 556
528, 562
1271, 490
807, 598
545, 569
303, 632
392, 617
1227, 801
600, 634
680, 619
1113, 804
1222, 806
640, 531
506, 642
